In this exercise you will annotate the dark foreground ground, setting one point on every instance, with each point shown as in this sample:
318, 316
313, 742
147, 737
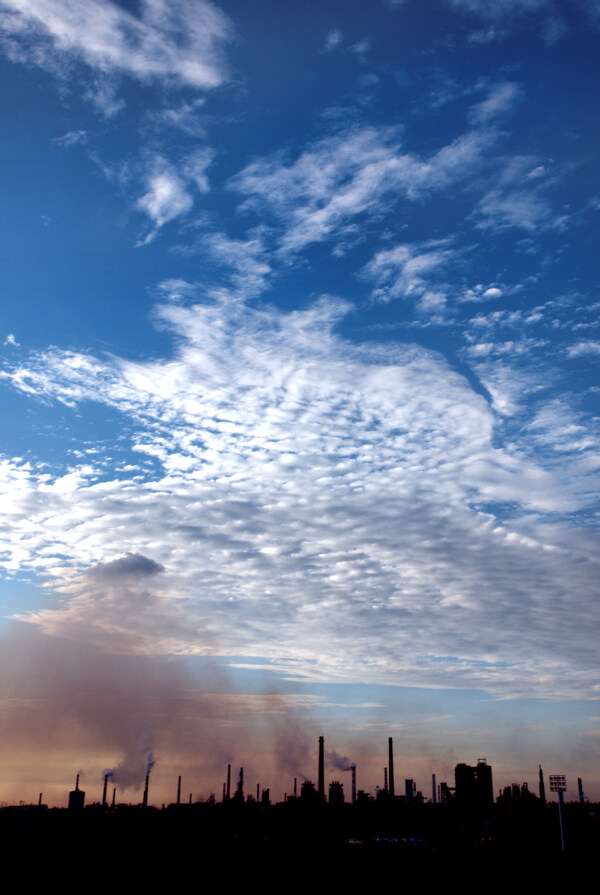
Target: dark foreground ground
282, 849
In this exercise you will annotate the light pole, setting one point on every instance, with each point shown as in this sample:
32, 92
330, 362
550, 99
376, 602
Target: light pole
558, 783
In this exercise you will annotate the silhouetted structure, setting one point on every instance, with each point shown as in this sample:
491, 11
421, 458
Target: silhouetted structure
76, 797
391, 767
473, 789
336, 793
308, 793
145, 799
542, 787
321, 780
239, 793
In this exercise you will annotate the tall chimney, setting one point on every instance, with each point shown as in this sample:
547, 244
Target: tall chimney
295, 787
579, 787
353, 784
114, 798
385, 786
391, 766
228, 781
145, 799
542, 787
321, 769
433, 789
179, 790
77, 783
104, 791
40, 799
258, 792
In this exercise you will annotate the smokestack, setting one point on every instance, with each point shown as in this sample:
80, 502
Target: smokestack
433, 789
240, 787
40, 798
104, 791
114, 798
295, 788
77, 784
391, 766
542, 787
258, 792
179, 790
321, 769
385, 786
353, 784
579, 787
228, 781
145, 799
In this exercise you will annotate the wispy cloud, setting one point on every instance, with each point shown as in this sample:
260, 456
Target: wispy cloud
347, 175
173, 42
333, 40
501, 100
71, 138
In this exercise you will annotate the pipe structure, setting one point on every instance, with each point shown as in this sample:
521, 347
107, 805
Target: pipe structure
321, 769
433, 789
391, 766
104, 791
228, 781
114, 798
179, 790
145, 799
353, 769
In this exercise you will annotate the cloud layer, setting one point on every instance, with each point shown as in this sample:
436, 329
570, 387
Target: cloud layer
313, 502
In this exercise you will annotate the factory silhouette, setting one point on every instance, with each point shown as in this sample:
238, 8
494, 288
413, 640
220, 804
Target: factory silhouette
355, 832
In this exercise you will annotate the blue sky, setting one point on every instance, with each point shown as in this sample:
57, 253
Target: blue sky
300, 341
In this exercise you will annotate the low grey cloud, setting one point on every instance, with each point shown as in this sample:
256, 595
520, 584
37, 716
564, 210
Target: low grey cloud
132, 564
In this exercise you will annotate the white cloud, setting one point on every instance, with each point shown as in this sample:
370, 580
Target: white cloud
501, 100
522, 209
167, 195
333, 40
71, 138
583, 348
245, 260
172, 41
499, 9
314, 499
358, 171
165, 199
406, 271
